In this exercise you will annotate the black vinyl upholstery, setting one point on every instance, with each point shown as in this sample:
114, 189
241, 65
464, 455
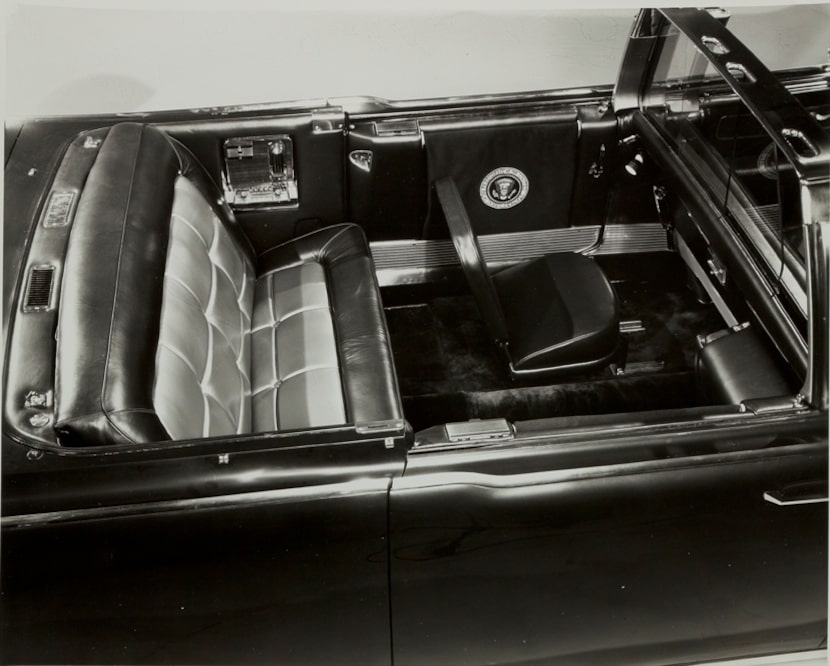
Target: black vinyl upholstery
114, 263
471, 258
557, 313
133, 326
735, 366
544, 150
561, 312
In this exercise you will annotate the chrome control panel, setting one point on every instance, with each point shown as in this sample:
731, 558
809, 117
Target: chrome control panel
259, 171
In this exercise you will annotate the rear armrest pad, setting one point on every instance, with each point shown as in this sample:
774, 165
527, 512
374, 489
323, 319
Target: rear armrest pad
368, 374
738, 367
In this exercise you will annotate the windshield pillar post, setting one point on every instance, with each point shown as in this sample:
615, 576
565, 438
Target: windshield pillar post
817, 237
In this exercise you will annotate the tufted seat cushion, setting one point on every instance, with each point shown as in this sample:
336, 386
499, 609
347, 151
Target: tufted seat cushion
203, 360
170, 327
293, 338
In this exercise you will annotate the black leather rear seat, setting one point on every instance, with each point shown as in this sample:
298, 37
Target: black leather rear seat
171, 328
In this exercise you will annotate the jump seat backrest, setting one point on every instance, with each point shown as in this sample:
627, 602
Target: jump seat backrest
170, 327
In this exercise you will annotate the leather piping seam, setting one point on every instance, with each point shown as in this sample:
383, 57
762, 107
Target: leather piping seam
129, 410
338, 340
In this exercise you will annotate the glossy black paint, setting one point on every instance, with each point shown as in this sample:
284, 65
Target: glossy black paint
49, 481
301, 581
611, 564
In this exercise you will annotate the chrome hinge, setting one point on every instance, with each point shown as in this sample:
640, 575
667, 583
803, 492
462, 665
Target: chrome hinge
719, 13
375, 427
716, 269
774, 405
327, 120
479, 430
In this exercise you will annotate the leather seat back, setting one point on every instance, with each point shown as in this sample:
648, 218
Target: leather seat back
155, 274
203, 360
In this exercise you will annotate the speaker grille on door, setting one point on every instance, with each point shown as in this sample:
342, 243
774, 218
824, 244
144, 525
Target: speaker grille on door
39, 288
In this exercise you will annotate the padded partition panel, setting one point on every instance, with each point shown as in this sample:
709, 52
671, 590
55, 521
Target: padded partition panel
389, 201
202, 386
545, 153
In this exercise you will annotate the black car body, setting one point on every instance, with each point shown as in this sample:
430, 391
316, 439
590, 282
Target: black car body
461, 509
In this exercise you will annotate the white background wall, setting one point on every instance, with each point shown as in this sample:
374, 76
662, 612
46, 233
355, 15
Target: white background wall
99, 56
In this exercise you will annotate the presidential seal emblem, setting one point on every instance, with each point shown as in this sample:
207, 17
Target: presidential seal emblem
504, 187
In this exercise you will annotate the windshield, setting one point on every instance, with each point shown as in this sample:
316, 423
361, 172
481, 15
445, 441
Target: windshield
726, 146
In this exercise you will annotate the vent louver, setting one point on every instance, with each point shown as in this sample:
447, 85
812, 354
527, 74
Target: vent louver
39, 288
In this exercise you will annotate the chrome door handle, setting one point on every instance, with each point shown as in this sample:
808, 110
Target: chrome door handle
803, 492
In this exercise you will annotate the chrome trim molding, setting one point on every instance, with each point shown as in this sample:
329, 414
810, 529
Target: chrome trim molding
706, 283
775, 499
810, 658
279, 496
524, 482
414, 261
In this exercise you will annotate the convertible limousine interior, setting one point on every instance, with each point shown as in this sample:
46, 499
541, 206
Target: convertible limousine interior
520, 379
163, 314
171, 324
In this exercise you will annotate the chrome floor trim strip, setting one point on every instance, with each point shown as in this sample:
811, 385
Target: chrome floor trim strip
403, 262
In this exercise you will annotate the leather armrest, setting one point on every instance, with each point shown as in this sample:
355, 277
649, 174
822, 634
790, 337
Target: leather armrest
368, 374
737, 367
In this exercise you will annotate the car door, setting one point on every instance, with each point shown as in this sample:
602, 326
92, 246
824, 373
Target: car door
625, 544
270, 550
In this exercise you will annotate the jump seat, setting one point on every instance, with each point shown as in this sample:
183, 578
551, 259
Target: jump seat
170, 327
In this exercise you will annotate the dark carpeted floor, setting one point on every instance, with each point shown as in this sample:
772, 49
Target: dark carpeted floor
450, 370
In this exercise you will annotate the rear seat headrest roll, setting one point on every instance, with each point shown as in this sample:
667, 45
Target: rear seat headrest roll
111, 294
